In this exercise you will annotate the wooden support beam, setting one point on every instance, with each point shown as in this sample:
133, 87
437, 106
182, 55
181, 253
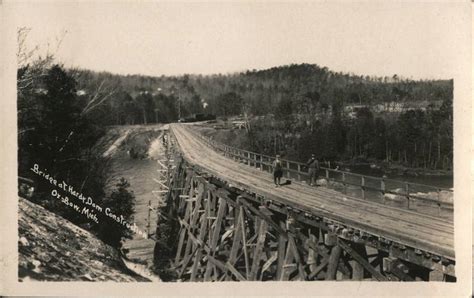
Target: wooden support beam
313, 245
291, 255
388, 264
256, 227
237, 240
357, 268
333, 262
188, 185
183, 233
375, 274
262, 232
226, 266
436, 276
312, 252
285, 272
377, 261
202, 235
409, 255
281, 252
397, 268
195, 215
263, 213
215, 235
319, 268
330, 239
343, 267
268, 263
196, 264
310, 258
235, 272
244, 243
186, 261
296, 255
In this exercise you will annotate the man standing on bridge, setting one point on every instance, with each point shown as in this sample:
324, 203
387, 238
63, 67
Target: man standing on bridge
313, 169
277, 171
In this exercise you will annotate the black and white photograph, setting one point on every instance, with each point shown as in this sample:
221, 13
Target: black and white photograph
217, 143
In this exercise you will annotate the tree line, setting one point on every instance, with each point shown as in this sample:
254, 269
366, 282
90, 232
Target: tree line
57, 131
302, 88
297, 107
414, 138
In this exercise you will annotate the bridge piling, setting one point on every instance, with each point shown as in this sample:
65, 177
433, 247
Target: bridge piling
226, 232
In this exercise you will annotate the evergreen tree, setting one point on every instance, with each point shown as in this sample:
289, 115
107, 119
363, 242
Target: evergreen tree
120, 203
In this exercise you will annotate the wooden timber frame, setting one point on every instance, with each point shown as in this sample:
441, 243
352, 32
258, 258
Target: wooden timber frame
229, 234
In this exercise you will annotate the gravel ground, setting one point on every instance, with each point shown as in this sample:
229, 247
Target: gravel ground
53, 249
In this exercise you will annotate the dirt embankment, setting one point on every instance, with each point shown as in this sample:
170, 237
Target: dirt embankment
53, 249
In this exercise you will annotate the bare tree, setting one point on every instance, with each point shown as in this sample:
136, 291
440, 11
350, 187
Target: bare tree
246, 108
24, 55
99, 96
33, 64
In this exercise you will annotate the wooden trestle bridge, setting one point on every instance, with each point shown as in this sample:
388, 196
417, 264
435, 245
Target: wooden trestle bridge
236, 226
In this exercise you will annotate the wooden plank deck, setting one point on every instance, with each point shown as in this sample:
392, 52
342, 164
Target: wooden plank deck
425, 232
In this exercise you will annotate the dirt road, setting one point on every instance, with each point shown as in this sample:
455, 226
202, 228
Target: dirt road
424, 232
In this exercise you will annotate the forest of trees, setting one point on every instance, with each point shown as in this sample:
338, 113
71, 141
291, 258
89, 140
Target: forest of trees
57, 135
294, 109
137, 99
414, 138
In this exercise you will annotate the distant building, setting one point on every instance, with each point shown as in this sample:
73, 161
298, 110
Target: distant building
238, 124
351, 110
390, 107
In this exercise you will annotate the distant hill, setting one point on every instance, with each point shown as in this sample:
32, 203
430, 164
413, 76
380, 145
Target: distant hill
259, 92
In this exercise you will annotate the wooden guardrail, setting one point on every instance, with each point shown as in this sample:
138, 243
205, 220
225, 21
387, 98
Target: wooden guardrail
202, 202
297, 170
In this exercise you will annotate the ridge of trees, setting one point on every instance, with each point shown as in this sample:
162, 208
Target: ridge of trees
295, 108
304, 87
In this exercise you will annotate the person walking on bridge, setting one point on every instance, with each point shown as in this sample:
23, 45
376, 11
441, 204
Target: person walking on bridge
277, 171
313, 169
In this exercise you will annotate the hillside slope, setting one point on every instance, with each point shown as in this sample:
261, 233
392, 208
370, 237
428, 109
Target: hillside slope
53, 249
306, 88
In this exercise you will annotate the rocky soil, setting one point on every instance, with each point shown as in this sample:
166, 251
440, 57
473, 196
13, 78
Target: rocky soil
53, 249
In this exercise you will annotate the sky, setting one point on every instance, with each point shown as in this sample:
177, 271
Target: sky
412, 40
